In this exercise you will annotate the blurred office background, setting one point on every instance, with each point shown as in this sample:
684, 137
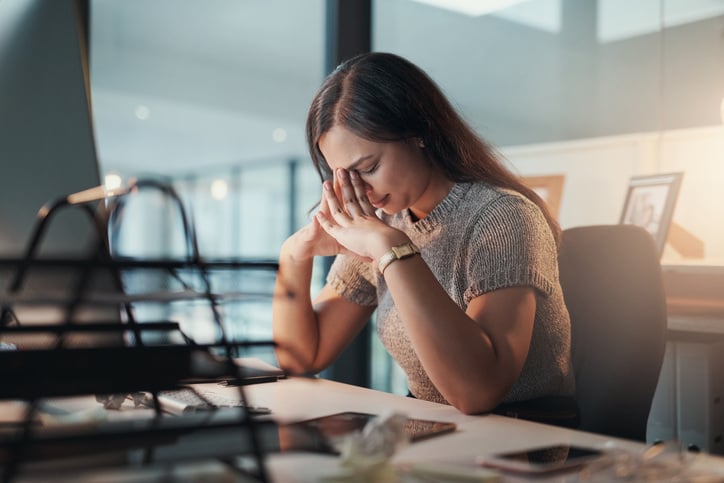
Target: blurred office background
211, 96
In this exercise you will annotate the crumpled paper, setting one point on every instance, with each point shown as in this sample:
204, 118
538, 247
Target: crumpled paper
366, 455
666, 461
115, 401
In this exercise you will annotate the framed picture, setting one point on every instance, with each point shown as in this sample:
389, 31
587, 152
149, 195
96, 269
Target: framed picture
549, 188
650, 202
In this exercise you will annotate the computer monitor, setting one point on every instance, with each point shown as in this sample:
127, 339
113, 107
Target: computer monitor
47, 147
47, 151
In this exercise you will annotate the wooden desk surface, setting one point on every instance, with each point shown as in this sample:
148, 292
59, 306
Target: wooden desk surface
694, 297
299, 398
476, 436
695, 306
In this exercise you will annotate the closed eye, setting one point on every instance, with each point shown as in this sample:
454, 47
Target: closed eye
369, 170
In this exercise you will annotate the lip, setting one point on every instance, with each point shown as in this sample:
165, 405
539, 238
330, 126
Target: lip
380, 203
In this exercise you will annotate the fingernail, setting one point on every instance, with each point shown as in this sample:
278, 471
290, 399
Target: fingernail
327, 185
342, 173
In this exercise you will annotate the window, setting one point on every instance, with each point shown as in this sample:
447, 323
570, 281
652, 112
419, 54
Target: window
210, 97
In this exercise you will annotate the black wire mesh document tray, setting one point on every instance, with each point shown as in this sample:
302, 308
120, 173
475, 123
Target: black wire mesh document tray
70, 327
138, 442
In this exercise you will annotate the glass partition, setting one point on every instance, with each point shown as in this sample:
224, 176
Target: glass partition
198, 91
210, 97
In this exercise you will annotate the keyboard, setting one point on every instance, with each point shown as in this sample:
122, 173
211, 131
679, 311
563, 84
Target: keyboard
188, 400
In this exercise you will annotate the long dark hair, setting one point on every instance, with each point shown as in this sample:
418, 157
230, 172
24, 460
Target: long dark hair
383, 97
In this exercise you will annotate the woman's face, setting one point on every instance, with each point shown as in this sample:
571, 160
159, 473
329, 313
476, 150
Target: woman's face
397, 174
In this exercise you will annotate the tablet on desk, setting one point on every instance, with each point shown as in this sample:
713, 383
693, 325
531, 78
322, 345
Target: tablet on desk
336, 426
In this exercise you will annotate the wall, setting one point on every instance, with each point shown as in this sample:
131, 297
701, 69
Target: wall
597, 173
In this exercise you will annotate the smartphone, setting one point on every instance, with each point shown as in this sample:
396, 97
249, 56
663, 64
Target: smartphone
543, 459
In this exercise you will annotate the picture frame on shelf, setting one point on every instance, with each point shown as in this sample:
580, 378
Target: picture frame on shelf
650, 202
549, 188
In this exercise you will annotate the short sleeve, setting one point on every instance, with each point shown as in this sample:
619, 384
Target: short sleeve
511, 245
354, 280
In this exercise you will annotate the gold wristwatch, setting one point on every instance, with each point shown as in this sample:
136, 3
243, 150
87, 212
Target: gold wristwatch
397, 253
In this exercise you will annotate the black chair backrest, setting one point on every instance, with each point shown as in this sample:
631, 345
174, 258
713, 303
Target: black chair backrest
613, 288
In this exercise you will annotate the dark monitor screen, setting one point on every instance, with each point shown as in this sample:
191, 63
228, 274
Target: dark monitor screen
47, 151
47, 145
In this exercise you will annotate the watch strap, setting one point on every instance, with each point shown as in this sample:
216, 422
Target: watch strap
397, 253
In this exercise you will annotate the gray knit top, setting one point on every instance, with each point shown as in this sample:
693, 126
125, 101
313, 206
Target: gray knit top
478, 239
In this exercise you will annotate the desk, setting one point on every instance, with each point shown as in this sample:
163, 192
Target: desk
298, 398
687, 405
695, 297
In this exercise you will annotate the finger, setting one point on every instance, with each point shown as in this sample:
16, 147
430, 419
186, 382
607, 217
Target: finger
337, 187
335, 209
323, 204
326, 222
360, 191
330, 227
349, 196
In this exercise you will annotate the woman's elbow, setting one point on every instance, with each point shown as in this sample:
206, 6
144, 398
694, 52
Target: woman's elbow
472, 408
293, 362
478, 400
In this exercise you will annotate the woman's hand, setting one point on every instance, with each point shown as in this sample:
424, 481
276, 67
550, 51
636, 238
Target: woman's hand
311, 240
350, 219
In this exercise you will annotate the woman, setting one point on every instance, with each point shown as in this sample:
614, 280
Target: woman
428, 227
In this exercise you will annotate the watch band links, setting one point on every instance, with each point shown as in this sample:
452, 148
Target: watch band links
395, 253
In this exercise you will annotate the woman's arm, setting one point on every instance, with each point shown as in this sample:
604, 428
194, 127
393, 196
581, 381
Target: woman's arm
310, 337
473, 357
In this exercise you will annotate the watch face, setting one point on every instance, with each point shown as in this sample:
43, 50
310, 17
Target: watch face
405, 250
397, 253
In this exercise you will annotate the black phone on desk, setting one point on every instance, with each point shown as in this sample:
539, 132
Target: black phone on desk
543, 459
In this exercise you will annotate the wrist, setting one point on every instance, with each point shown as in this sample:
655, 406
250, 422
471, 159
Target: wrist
291, 252
384, 244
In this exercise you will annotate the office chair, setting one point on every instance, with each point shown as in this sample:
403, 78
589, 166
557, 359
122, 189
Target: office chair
612, 285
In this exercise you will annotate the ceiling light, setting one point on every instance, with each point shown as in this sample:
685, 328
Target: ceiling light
473, 8
142, 112
219, 189
112, 181
279, 135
